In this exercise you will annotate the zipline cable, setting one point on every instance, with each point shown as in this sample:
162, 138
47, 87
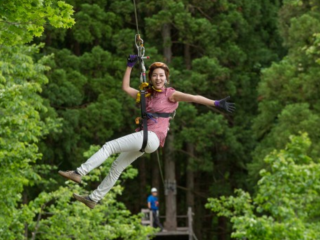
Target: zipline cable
136, 15
160, 169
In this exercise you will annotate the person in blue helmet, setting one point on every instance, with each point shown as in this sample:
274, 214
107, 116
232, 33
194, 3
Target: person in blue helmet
153, 205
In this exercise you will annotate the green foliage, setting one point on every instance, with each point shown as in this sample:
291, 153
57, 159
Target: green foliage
286, 205
26, 117
288, 89
93, 23
85, 94
21, 20
57, 216
21, 128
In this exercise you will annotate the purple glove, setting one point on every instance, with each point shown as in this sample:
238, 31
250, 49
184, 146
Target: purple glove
132, 59
229, 107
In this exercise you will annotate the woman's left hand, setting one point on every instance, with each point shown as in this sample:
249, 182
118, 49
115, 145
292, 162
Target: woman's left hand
229, 107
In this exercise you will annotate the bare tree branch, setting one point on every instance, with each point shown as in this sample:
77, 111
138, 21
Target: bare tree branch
38, 222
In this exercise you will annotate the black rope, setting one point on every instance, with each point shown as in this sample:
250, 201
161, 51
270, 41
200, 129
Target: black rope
160, 169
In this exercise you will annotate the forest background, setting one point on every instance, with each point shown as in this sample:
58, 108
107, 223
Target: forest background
61, 66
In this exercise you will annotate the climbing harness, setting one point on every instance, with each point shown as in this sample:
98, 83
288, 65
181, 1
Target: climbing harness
144, 85
143, 89
162, 115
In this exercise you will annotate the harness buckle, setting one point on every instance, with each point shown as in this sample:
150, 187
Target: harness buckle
138, 120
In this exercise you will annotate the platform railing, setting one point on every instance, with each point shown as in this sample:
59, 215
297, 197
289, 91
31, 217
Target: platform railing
147, 220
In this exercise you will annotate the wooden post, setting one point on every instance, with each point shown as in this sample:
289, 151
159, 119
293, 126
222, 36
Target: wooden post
147, 217
171, 206
190, 223
190, 176
151, 218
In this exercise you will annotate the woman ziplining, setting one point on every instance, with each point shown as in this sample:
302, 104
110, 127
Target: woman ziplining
160, 103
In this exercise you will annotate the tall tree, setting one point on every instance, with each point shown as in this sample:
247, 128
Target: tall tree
21, 130
21, 80
288, 89
286, 205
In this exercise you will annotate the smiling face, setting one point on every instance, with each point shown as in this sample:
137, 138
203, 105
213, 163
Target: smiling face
158, 78
158, 74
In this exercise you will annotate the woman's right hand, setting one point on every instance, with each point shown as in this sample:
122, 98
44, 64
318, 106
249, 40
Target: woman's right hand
132, 59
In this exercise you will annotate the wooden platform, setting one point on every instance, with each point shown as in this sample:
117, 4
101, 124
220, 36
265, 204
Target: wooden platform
187, 232
179, 231
170, 237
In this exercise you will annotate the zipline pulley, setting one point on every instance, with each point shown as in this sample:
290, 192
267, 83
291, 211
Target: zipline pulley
141, 57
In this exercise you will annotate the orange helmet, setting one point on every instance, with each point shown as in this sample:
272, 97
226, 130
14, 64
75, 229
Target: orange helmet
161, 65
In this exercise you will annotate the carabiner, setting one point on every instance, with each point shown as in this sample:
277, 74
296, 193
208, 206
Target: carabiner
139, 45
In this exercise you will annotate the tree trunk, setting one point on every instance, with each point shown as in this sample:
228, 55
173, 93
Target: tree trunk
187, 56
222, 228
190, 177
198, 220
76, 48
171, 205
48, 38
190, 147
166, 37
25, 201
156, 182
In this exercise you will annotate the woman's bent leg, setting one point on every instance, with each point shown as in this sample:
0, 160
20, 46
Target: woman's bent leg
128, 143
122, 162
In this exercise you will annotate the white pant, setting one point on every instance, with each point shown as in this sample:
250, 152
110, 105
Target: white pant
128, 147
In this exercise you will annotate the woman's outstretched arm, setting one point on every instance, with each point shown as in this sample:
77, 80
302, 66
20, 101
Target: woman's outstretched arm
126, 84
184, 97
